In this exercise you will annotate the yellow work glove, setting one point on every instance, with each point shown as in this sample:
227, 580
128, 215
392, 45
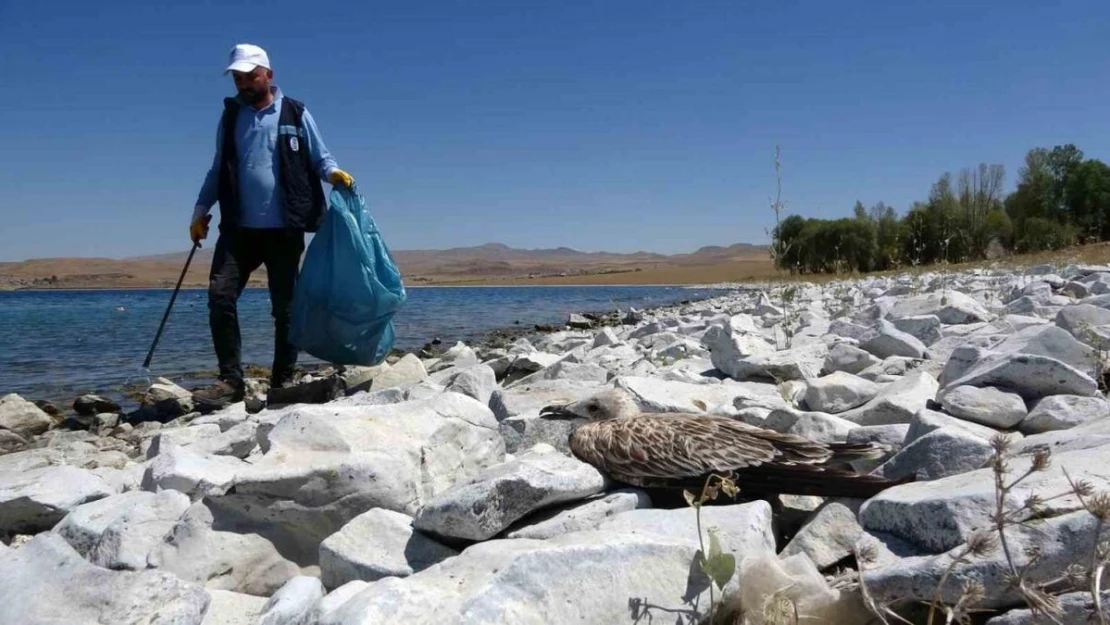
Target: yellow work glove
340, 177
199, 229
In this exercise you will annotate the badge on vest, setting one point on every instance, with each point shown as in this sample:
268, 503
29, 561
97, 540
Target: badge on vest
294, 144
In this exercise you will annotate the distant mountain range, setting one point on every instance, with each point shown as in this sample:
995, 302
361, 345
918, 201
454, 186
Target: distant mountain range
492, 261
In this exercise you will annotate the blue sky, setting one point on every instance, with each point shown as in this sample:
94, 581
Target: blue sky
655, 123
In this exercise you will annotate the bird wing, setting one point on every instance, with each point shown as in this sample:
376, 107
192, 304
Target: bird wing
668, 446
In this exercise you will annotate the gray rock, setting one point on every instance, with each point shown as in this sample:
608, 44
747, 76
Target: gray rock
91, 405
741, 528
35, 500
838, 392
10, 441
925, 328
849, 359
488, 503
940, 453
892, 435
180, 469
328, 464
927, 421
897, 402
798, 363
605, 337
375, 544
238, 441
1086, 436
46, 581
167, 400
848, 330
816, 426
578, 516
180, 436
233, 608
1061, 541
986, 406
293, 604
951, 307
886, 341
522, 400
407, 371
118, 532
129, 539
1029, 375
22, 417
335, 599
523, 432
829, 536
565, 370
239, 562
728, 347
478, 381
357, 379
940, 514
1087, 323
655, 395
1061, 412
1051, 342
1075, 607
566, 579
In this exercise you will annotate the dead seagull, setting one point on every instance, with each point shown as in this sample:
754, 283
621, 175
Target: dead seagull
680, 450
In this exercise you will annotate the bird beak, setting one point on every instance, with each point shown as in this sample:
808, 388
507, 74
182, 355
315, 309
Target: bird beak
557, 412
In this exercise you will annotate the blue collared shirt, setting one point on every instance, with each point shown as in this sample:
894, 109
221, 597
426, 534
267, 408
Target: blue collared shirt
260, 195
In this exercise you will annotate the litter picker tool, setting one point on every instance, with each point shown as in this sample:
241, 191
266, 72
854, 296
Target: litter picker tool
161, 326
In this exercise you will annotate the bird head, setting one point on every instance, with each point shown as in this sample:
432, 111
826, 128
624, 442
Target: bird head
612, 403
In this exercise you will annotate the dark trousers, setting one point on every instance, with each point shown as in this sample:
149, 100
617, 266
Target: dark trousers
239, 252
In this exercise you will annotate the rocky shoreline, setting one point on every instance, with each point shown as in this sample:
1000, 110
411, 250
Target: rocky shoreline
428, 490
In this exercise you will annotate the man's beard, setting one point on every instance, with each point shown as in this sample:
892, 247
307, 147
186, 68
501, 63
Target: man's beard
253, 96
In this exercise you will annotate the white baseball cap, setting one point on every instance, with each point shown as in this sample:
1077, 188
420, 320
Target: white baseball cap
245, 57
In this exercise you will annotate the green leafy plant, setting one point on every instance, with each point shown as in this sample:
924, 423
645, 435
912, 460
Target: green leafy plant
717, 565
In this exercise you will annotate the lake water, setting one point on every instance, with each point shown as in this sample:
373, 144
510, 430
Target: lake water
57, 345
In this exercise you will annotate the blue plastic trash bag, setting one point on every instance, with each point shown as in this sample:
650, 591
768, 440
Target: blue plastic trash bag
349, 287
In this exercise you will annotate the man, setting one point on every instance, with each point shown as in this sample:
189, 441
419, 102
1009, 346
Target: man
266, 176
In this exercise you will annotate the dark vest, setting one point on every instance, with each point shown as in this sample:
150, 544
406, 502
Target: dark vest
300, 184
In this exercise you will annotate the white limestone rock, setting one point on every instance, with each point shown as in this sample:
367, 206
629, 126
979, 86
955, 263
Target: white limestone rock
951, 307
925, 328
839, 392
940, 453
492, 500
47, 581
36, 500
940, 514
849, 359
120, 531
328, 464
377, 543
240, 562
798, 363
580, 515
566, 579
1061, 541
293, 603
478, 381
829, 535
986, 406
233, 608
897, 402
23, 418
892, 435
1061, 412
728, 345
885, 340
